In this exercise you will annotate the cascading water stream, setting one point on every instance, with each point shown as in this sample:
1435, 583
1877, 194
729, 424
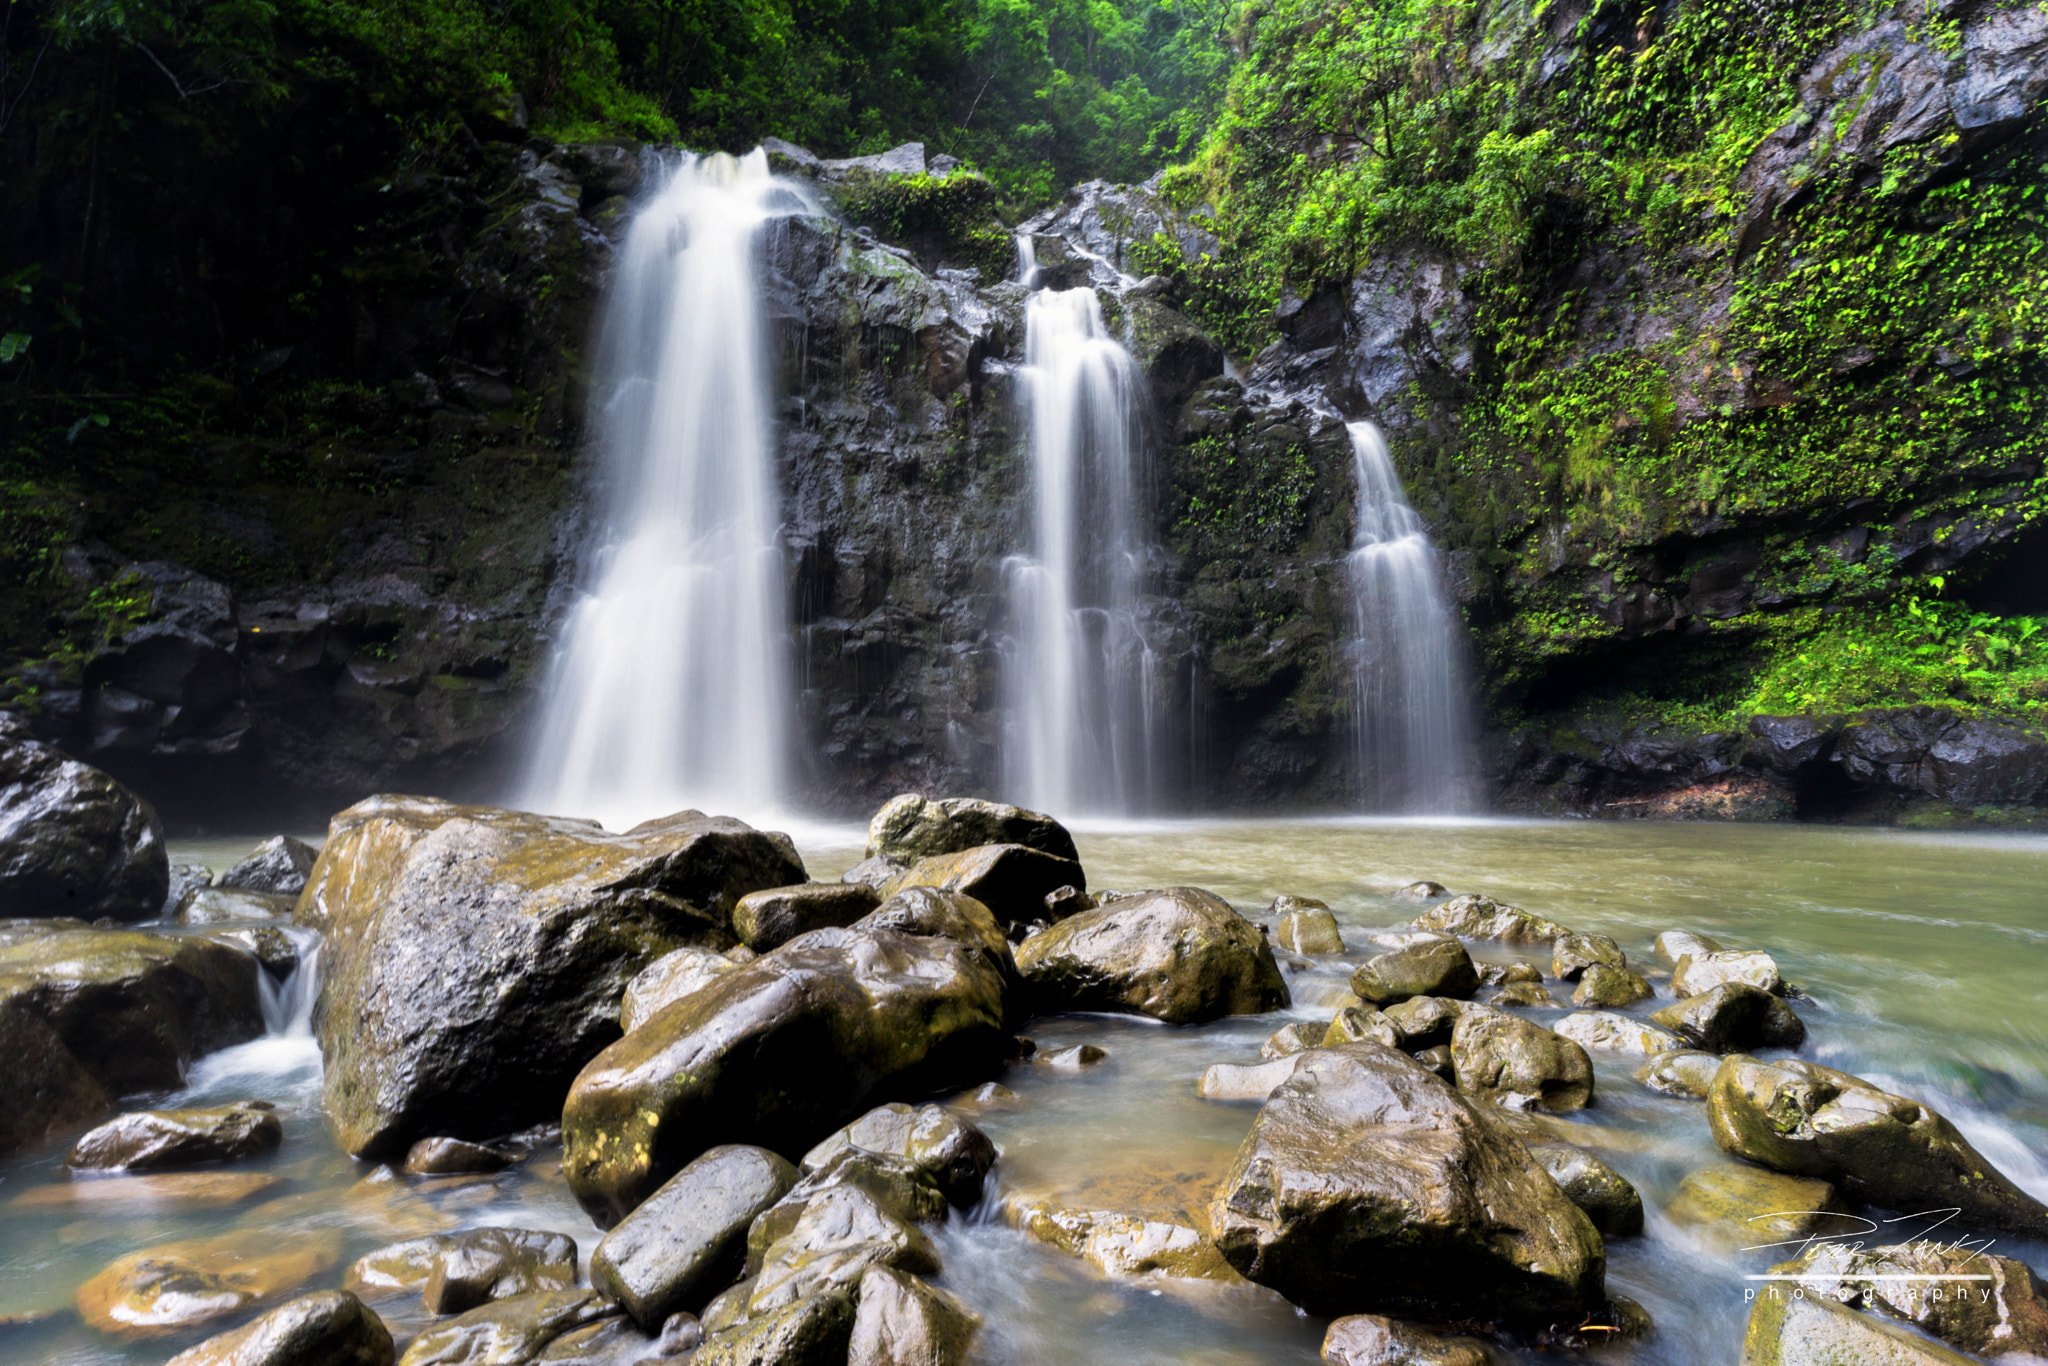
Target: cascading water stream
1413, 724
1084, 733
670, 686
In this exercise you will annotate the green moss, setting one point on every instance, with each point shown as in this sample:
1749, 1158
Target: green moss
948, 218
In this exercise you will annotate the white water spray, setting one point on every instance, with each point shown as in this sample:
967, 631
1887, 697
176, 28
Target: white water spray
1413, 729
671, 686
1085, 732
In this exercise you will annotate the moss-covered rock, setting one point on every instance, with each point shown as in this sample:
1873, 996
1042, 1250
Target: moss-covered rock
1180, 955
769, 919
477, 955
1746, 1207
1808, 1330
329, 1328
1603, 986
1481, 917
1731, 1016
909, 828
1433, 968
1012, 880
1970, 1298
1519, 1064
1614, 1206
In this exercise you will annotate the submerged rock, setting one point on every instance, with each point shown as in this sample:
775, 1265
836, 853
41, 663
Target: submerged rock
910, 828
1519, 1064
1698, 973
904, 1322
153, 1139
87, 1015
1614, 1206
73, 842
1306, 925
1734, 1016
1602, 984
329, 1328
1012, 880
475, 956
1374, 1340
1481, 917
1369, 1186
770, 919
279, 865
687, 1241
1237, 1081
1681, 1072
456, 1272
1180, 955
1896, 1153
1747, 1207
1790, 1330
508, 1332
1990, 1305
669, 978
788, 1046
1438, 968
173, 1288
954, 1153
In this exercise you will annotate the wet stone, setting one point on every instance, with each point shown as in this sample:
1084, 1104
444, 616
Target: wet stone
909, 828
279, 865
1353, 1023
1439, 967
1614, 1206
1423, 890
454, 1156
1075, 1057
1681, 1072
1425, 1020
1180, 955
1516, 1063
1572, 954
176, 1287
1481, 917
1605, 986
901, 1191
1523, 994
955, 1154
1374, 1340
1235, 1081
1011, 880
769, 919
154, 1139
225, 905
1292, 1038
330, 1328
1745, 1207
456, 1272
1698, 973
902, 1321
2001, 1308
1673, 945
1732, 1017
1611, 1032
509, 1332
1305, 925
1791, 1330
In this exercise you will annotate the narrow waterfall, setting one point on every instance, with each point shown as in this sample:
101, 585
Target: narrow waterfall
670, 686
1413, 727
1084, 732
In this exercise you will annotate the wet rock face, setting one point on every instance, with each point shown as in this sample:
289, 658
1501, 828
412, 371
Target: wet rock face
1369, 1186
770, 919
909, 828
476, 956
670, 977
1436, 968
330, 1328
1808, 1120
219, 905
512, 1330
783, 1049
456, 1272
686, 1242
1614, 1206
279, 865
1811, 1330
148, 1140
1180, 955
74, 842
1698, 973
2003, 1309
174, 1288
88, 1015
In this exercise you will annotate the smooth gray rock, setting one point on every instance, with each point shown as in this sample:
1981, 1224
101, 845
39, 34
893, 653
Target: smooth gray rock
279, 865
686, 1242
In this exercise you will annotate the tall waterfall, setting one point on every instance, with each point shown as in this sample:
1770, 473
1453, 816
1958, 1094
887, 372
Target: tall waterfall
1413, 728
670, 687
1084, 732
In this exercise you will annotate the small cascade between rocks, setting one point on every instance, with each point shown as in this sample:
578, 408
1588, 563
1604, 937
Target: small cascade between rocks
1413, 727
1085, 732
670, 686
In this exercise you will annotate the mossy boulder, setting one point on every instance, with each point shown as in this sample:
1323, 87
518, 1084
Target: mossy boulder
1809, 1330
1572, 954
1732, 1016
476, 956
670, 977
1602, 985
780, 1051
1614, 1206
1367, 1185
770, 919
1481, 917
1012, 880
1434, 968
328, 1328
1745, 1207
1306, 926
514, 1330
73, 841
88, 1015
909, 828
953, 1152
1180, 955
1352, 1023
1517, 1063
1808, 1120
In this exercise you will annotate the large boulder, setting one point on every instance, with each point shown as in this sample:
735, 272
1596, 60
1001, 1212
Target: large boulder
668, 978
1367, 1185
1896, 1153
150, 1139
1306, 925
1438, 967
279, 865
73, 842
329, 1328
1481, 917
909, 828
1013, 881
686, 1242
1788, 1329
476, 956
1517, 1063
1989, 1305
88, 1015
785, 1048
1180, 955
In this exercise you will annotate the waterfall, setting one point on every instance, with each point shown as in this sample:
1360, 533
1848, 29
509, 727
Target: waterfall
1413, 730
1084, 734
670, 686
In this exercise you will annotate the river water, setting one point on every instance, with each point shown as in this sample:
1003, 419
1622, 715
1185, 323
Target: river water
1922, 957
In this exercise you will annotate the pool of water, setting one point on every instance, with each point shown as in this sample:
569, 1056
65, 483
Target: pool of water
1920, 957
